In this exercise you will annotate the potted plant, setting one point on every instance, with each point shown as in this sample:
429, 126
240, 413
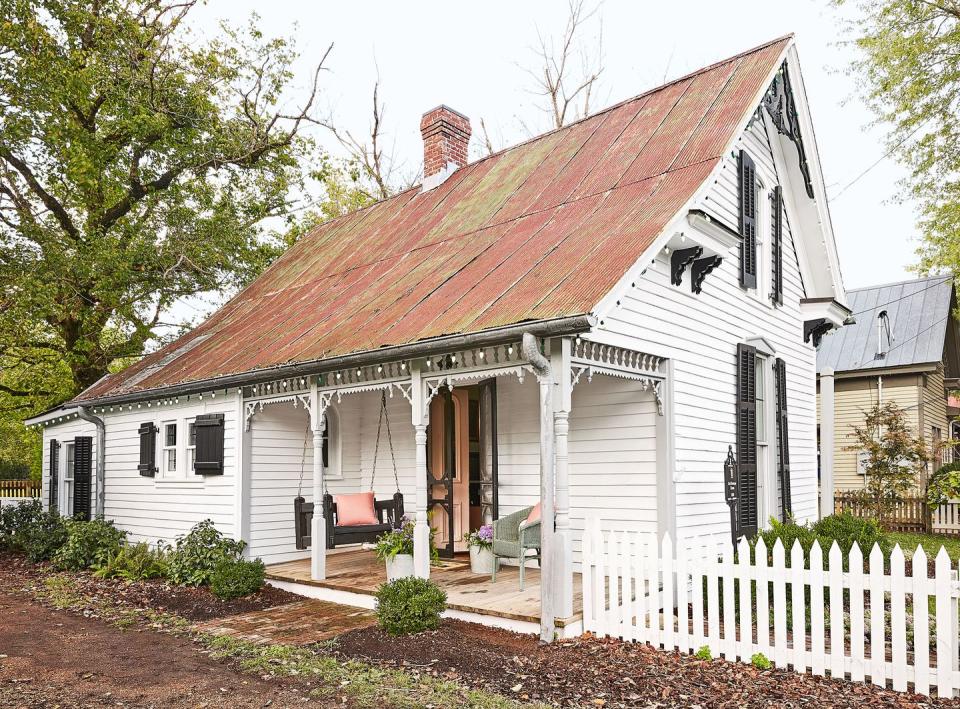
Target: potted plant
396, 549
481, 549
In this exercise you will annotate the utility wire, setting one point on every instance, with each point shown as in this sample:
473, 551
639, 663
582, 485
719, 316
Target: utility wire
879, 160
897, 300
901, 344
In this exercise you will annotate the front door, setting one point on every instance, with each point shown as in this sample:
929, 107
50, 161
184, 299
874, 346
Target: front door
461, 464
443, 472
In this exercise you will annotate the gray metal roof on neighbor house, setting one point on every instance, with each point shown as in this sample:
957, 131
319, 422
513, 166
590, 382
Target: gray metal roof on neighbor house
918, 313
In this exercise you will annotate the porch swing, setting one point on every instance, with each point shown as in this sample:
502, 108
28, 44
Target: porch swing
386, 514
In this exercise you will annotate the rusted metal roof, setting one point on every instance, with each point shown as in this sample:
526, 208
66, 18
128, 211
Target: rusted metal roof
538, 231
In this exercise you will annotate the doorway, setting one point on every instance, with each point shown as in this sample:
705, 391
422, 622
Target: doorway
461, 464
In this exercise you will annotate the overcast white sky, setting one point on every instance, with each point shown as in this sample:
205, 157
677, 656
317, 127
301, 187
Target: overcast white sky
471, 57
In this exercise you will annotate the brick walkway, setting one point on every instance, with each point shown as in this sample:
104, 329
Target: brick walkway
299, 623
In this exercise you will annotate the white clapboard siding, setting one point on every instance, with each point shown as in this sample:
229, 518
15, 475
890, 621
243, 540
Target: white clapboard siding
629, 577
699, 333
281, 446
168, 505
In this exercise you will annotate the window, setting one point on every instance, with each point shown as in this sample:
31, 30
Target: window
191, 445
761, 363
169, 455
331, 445
66, 502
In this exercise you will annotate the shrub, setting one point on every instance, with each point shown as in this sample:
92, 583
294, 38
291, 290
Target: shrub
845, 529
704, 653
410, 605
136, 562
43, 537
236, 578
760, 661
15, 518
88, 544
197, 555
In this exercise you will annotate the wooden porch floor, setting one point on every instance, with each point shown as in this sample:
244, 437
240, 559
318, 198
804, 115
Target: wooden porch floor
359, 571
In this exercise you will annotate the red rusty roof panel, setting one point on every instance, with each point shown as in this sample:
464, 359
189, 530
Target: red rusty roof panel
541, 230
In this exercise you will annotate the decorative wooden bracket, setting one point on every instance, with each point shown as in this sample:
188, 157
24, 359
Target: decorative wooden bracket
700, 269
815, 330
680, 260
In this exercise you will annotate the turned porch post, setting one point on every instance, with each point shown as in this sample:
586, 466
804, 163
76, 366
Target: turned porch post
563, 542
421, 530
318, 529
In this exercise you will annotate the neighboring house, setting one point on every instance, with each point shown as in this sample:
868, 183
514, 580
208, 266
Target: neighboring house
661, 269
904, 348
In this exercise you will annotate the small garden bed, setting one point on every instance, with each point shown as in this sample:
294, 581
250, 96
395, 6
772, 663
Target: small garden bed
604, 673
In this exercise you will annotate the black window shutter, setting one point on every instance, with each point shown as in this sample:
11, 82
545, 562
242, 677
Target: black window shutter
82, 474
148, 449
54, 472
748, 221
783, 437
209, 450
776, 241
747, 438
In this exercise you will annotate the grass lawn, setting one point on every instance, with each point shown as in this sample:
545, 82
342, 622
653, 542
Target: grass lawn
931, 543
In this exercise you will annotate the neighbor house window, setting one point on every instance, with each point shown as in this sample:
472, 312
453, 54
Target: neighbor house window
169, 448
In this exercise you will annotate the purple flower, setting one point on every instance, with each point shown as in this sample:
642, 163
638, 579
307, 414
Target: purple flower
486, 533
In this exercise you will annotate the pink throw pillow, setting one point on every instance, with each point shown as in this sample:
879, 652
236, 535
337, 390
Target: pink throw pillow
533, 517
356, 509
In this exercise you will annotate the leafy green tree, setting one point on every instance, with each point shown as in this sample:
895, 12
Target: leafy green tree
896, 459
909, 70
138, 165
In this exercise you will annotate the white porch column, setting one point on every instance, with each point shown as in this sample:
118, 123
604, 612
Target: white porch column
548, 586
826, 441
318, 529
563, 541
421, 529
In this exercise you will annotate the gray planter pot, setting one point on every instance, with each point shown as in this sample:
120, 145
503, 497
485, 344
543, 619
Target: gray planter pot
399, 567
481, 560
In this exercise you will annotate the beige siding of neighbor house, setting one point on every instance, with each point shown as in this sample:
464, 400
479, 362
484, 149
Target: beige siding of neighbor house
921, 396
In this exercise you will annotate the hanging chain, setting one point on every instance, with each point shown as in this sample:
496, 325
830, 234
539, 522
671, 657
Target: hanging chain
376, 449
303, 458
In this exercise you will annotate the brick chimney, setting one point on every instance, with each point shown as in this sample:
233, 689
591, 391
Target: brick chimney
446, 136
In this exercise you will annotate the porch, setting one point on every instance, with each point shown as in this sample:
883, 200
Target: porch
458, 440
354, 574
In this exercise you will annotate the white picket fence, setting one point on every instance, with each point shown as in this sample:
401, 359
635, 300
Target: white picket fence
637, 589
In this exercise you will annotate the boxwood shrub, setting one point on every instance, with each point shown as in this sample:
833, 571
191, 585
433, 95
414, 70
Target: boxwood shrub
237, 578
410, 605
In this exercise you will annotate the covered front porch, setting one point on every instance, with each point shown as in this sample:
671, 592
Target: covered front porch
354, 574
463, 438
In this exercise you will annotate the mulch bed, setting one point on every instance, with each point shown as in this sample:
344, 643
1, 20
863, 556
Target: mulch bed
195, 604
606, 673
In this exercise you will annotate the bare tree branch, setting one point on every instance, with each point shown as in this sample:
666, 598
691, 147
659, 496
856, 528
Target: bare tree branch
567, 89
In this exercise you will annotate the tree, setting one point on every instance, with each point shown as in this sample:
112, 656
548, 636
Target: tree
896, 460
569, 68
137, 167
909, 72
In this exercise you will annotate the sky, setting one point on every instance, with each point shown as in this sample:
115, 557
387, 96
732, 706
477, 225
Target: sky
474, 57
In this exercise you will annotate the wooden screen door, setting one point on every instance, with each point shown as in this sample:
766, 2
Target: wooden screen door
442, 471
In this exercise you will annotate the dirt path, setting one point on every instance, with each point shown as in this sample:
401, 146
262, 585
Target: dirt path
52, 658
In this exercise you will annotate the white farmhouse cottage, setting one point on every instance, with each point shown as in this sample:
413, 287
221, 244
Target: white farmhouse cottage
591, 319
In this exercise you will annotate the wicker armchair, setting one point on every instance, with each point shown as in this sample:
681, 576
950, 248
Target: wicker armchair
510, 541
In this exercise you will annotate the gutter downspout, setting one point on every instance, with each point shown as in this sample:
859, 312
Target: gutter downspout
84, 413
541, 366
